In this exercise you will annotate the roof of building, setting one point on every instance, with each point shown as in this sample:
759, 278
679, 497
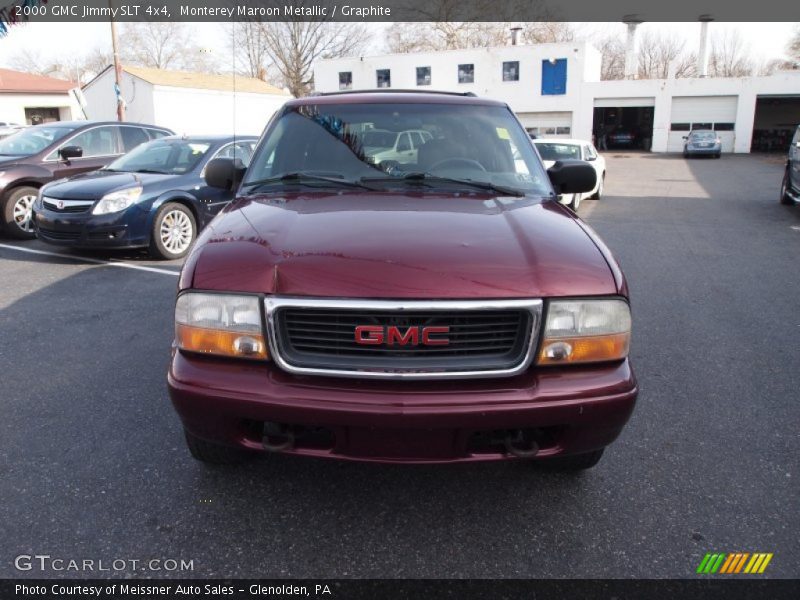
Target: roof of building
28, 83
204, 81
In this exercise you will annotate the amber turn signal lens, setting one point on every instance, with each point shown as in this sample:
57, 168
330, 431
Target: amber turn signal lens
220, 343
599, 348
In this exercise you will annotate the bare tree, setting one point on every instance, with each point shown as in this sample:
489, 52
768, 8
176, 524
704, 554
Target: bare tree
793, 46
79, 69
612, 49
285, 51
661, 57
163, 46
728, 57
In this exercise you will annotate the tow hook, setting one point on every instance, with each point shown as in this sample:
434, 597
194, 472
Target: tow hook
277, 437
521, 443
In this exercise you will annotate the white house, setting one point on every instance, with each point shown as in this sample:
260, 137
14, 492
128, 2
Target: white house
555, 90
33, 99
186, 102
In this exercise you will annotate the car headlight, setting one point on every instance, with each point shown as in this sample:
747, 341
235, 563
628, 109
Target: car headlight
117, 201
220, 324
585, 331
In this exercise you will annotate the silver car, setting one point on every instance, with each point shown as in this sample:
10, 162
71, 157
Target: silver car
702, 142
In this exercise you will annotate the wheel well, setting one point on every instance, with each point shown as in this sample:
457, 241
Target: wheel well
187, 204
18, 184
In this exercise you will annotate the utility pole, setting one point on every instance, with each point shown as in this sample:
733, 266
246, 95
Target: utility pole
117, 71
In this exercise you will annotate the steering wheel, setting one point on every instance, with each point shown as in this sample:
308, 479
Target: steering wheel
463, 161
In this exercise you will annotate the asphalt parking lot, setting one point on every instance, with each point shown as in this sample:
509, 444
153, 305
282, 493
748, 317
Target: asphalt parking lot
93, 465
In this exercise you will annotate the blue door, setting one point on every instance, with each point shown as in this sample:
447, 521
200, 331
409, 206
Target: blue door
554, 77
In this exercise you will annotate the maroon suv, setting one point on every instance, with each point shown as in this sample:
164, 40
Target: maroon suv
427, 301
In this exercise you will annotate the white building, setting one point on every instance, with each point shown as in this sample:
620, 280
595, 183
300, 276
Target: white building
555, 90
186, 102
33, 99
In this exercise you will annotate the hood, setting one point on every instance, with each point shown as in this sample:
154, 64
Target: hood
385, 245
96, 184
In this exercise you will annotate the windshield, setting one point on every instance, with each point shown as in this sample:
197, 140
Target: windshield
703, 135
437, 145
168, 156
558, 151
33, 140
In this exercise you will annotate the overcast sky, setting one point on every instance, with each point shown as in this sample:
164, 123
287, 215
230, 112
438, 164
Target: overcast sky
765, 40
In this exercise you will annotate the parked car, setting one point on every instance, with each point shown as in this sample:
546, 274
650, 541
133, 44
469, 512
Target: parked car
451, 310
702, 142
622, 137
153, 197
790, 188
401, 147
43, 153
552, 150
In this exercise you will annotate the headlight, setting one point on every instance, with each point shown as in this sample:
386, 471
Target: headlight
220, 324
117, 201
583, 331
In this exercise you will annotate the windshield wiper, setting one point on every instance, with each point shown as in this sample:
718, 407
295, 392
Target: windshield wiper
157, 172
299, 177
429, 177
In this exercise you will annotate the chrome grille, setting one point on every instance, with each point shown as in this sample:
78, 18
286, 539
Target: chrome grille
486, 338
67, 206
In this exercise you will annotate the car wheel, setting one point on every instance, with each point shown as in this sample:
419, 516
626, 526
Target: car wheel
785, 197
717, 155
215, 454
575, 202
17, 211
174, 230
575, 462
599, 193
685, 154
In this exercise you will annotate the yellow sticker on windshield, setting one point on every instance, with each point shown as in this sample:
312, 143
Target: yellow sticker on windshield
502, 133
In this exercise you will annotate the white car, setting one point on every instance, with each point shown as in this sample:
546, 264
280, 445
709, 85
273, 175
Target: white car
552, 150
400, 146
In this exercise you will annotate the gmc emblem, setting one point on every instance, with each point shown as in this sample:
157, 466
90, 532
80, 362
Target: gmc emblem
376, 335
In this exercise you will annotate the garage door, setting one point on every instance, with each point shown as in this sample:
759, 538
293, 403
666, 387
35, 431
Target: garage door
547, 124
702, 112
623, 102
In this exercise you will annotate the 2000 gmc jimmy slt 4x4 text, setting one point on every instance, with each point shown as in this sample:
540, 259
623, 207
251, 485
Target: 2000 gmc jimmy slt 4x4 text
439, 306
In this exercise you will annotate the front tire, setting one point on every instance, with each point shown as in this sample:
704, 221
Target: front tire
174, 231
17, 212
572, 463
214, 454
599, 193
785, 197
575, 202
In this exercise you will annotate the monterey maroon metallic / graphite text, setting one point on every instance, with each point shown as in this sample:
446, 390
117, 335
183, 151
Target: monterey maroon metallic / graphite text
397, 282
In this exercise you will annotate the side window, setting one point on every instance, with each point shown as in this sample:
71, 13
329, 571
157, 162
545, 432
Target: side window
98, 141
589, 153
404, 144
157, 133
132, 137
417, 138
796, 138
241, 150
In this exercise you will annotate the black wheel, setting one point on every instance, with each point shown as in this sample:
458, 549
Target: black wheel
599, 193
174, 230
575, 462
575, 202
17, 208
717, 155
785, 197
215, 454
685, 154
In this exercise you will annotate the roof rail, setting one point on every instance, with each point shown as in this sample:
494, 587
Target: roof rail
393, 91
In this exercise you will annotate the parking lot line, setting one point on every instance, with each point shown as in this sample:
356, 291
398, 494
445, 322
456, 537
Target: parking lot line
93, 260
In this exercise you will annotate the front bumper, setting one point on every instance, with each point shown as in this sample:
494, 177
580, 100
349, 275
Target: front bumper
571, 410
703, 150
85, 230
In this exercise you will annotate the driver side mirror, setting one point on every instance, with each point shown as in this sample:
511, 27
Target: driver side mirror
686, 137
572, 177
224, 173
68, 152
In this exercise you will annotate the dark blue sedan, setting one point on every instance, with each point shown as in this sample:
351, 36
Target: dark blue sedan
154, 197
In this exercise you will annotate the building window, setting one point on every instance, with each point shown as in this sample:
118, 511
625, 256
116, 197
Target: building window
554, 76
384, 77
466, 73
723, 126
680, 127
701, 126
511, 70
346, 80
423, 75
